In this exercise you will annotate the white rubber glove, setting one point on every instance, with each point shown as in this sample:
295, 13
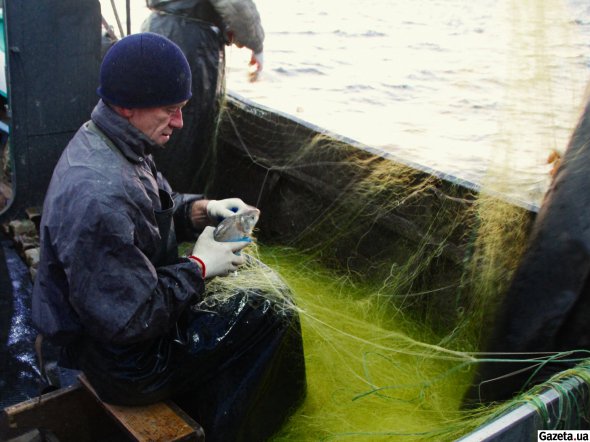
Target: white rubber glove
257, 59
218, 210
219, 257
255, 65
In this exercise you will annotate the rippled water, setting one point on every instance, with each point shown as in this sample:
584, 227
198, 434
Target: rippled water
481, 89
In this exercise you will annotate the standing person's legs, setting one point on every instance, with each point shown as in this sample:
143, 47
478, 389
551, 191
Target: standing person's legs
189, 157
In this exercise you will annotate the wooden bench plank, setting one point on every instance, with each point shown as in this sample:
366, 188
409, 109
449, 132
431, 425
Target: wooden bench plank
159, 422
71, 413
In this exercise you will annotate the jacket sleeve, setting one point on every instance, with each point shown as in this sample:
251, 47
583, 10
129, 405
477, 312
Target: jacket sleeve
242, 18
183, 225
182, 215
119, 296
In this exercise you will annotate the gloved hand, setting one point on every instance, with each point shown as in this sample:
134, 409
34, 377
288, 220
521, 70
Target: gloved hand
256, 64
219, 257
257, 60
218, 210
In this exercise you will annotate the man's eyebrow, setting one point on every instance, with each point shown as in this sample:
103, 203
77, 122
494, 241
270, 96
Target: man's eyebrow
177, 106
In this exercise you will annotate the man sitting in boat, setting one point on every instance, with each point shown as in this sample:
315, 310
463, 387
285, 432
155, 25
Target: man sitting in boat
111, 290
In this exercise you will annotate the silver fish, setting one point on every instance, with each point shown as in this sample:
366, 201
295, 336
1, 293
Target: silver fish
237, 227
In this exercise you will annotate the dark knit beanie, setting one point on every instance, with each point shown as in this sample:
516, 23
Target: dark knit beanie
144, 70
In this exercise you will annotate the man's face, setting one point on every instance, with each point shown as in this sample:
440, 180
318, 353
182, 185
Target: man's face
158, 122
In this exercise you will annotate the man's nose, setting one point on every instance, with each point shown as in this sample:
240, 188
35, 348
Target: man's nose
176, 120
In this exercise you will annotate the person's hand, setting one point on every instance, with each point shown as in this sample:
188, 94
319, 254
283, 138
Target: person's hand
554, 159
219, 258
218, 210
198, 214
255, 65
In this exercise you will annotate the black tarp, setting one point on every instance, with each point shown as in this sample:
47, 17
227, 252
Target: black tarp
547, 306
19, 374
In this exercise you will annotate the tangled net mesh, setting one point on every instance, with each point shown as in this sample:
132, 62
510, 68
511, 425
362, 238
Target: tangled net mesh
392, 324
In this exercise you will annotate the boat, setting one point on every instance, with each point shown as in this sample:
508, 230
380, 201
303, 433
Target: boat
300, 176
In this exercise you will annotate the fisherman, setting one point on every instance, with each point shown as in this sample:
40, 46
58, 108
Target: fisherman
202, 29
112, 291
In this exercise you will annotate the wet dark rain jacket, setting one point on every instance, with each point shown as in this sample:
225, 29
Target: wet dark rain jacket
241, 17
103, 266
126, 309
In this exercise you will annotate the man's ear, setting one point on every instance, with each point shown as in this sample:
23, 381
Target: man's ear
124, 112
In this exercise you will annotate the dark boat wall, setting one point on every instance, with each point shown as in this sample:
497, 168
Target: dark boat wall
306, 182
53, 58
